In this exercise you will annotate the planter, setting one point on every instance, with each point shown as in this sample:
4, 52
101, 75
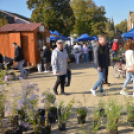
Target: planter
53, 116
81, 119
62, 126
113, 131
48, 130
20, 131
41, 112
130, 123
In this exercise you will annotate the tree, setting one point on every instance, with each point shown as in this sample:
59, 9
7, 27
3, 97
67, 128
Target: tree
3, 20
110, 29
122, 27
55, 14
89, 18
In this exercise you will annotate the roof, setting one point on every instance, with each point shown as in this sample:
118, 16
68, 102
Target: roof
20, 27
15, 15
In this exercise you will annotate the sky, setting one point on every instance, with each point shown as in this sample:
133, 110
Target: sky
118, 9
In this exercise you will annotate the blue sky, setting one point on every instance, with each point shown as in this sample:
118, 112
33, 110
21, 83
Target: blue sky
118, 9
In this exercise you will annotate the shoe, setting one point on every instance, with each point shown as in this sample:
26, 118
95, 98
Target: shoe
55, 92
123, 93
26, 75
64, 93
46, 72
93, 92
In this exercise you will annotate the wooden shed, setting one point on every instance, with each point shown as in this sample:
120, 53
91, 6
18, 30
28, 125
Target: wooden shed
28, 36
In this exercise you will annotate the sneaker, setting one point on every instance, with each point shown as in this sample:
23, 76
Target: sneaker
46, 72
93, 92
123, 93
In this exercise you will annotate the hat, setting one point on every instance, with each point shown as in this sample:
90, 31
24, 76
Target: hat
60, 41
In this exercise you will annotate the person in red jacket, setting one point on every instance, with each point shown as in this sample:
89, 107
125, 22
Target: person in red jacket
115, 47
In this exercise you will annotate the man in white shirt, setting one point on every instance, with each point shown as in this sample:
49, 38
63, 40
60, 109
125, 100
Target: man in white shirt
77, 51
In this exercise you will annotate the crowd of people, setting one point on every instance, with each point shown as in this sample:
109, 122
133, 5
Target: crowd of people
98, 51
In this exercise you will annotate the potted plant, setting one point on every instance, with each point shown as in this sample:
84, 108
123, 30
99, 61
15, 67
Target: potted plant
101, 107
113, 114
65, 112
48, 99
130, 113
81, 114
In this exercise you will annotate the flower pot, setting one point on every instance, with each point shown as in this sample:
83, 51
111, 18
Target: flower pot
113, 131
53, 116
62, 126
47, 130
130, 123
41, 112
81, 119
20, 131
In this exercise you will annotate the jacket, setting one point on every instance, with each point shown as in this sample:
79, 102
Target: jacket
18, 54
59, 61
115, 46
100, 56
46, 56
1, 59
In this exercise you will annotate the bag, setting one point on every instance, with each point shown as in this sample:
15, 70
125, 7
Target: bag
68, 78
130, 69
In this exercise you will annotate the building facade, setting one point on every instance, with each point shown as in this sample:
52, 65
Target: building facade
130, 21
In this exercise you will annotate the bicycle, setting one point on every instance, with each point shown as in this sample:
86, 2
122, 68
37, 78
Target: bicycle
119, 68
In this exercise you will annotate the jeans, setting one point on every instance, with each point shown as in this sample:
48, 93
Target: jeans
77, 57
20, 67
101, 78
114, 54
85, 57
61, 81
129, 76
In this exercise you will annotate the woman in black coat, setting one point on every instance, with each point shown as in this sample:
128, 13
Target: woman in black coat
46, 59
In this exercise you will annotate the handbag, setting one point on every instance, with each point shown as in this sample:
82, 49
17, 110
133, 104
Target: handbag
130, 69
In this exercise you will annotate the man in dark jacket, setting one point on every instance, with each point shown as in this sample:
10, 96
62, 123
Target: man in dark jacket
108, 64
100, 62
1, 59
19, 57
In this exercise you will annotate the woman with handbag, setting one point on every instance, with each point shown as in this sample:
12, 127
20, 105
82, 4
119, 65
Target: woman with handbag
129, 65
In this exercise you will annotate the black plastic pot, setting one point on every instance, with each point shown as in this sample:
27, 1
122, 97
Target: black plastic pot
53, 115
130, 123
113, 131
41, 112
48, 130
81, 119
20, 131
62, 126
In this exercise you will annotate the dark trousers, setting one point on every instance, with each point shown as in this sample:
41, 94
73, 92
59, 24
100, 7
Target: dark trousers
90, 55
61, 81
106, 74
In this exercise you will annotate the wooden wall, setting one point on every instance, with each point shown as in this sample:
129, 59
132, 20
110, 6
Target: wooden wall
6, 41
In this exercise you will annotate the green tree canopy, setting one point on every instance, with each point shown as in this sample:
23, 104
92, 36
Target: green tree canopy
55, 14
122, 27
89, 18
3, 20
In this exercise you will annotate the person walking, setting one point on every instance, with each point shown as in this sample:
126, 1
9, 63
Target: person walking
115, 48
59, 66
107, 66
77, 51
129, 54
1, 59
45, 56
100, 62
19, 57
85, 53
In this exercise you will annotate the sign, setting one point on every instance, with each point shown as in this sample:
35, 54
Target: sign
47, 40
41, 29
